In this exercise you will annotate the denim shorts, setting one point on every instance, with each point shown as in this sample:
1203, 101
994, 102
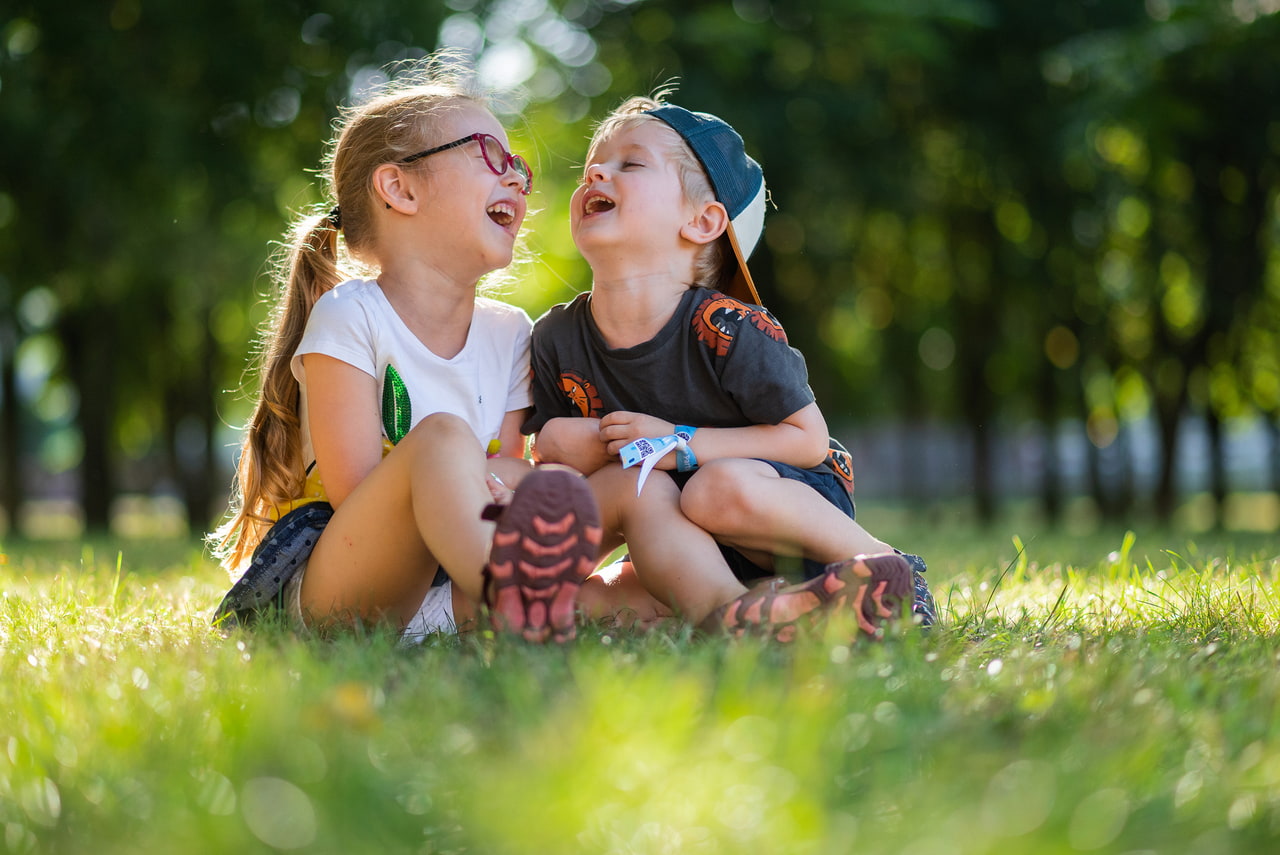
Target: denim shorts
821, 479
273, 580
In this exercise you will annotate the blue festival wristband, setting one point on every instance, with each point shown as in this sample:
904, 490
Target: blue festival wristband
686, 460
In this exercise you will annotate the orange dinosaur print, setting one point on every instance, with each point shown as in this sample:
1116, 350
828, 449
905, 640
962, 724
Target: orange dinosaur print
716, 322
582, 394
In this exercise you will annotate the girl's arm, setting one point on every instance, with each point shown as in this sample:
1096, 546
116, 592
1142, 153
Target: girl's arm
509, 434
800, 439
346, 430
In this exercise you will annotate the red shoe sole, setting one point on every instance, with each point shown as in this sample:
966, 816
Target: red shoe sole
547, 542
875, 586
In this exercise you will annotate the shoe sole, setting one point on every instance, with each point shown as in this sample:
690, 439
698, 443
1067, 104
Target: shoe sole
546, 544
874, 587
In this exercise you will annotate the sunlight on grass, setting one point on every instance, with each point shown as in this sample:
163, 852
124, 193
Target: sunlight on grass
1126, 703
1118, 594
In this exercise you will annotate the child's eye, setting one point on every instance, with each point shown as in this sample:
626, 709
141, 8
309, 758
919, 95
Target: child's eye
627, 164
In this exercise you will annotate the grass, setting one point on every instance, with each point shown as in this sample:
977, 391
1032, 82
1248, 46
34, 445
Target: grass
1087, 693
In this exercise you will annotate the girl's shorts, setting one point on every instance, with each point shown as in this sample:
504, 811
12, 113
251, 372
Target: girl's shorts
435, 614
273, 579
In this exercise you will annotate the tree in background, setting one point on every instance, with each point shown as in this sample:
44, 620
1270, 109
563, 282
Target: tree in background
965, 199
989, 214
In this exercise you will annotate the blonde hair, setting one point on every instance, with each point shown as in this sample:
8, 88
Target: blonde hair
709, 268
392, 125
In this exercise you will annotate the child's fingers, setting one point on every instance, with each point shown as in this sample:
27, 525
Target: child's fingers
617, 435
500, 492
617, 417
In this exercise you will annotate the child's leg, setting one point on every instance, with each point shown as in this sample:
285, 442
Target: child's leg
614, 593
676, 561
747, 505
417, 510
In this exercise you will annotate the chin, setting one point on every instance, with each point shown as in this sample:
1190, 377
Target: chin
501, 260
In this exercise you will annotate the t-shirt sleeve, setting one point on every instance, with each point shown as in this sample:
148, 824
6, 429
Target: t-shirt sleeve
549, 401
518, 394
765, 375
339, 327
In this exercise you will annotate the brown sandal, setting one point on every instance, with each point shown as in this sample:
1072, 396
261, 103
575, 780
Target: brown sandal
545, 545
874, 586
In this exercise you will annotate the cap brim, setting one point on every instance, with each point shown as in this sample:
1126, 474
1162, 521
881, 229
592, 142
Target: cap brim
741, 287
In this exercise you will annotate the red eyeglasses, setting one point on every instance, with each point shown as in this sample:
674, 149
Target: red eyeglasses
496, 157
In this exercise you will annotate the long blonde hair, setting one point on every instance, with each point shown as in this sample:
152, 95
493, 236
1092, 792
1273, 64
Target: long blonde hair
394, 124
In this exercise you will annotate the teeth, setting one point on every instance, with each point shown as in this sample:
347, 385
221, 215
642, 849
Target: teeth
502, 213
596, 204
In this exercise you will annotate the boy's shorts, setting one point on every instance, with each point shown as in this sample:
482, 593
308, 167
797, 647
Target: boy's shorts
822, 479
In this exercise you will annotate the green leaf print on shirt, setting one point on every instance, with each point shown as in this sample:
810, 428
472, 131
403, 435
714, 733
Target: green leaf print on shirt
397, 414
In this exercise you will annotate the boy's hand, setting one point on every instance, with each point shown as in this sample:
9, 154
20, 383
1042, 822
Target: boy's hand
620, 428
573, 442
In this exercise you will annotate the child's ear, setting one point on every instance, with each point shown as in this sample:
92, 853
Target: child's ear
708, 222
394, 189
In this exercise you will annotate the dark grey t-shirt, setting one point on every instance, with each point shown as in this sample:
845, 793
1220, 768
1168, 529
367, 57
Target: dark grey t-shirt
718, 362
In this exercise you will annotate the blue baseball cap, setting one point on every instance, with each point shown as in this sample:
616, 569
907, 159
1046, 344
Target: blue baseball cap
736, 179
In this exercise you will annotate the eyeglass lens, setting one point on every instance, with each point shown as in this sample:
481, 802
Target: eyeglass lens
497, 157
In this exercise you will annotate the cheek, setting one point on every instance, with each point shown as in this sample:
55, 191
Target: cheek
575, 203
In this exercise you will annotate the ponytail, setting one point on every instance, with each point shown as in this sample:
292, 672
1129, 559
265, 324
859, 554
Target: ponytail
385, 129
270, 471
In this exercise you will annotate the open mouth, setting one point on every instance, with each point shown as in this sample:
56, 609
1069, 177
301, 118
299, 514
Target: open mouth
597, 205
502, 213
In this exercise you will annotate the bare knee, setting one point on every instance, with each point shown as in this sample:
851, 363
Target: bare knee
440, 431
721, 496
615, 490
439, 426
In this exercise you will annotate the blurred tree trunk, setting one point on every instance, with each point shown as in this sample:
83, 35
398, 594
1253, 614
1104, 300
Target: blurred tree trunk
1217, 467
918, 482
11, 482
1272, 423
1168, 408
88, 334
1051, 469
977, 308
979, 412
1126, 491
1110, 470
190, 429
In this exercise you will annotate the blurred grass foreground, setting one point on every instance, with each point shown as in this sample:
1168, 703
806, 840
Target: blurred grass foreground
1103, 693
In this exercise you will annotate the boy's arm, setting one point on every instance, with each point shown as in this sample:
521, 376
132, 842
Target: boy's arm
800, 439
573, 441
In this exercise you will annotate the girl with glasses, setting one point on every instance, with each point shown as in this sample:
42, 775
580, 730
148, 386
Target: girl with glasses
392, 397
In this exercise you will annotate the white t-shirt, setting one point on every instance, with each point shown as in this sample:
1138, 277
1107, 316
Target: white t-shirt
488, 378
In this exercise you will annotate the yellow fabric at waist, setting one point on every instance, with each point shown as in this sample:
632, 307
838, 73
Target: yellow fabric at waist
313, 488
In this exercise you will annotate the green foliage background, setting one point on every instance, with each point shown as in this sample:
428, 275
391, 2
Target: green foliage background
992, 215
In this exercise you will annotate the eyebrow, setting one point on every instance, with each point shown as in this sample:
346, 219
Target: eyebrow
625, 150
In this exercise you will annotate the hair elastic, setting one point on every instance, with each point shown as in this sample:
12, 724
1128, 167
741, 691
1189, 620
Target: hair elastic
335, 219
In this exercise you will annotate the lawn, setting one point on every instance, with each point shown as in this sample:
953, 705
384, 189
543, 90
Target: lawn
1087, 692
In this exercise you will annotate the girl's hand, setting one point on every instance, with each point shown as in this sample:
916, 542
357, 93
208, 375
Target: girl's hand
501, 493
620, 428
